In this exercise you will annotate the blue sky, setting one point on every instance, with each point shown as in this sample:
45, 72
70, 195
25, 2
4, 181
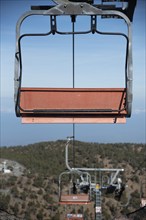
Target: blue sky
58, 61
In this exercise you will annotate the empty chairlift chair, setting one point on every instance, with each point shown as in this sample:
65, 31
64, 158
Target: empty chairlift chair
74, 105
75, 217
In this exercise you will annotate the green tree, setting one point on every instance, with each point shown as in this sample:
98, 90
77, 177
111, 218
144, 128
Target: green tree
40, 215
14, 191
4, 201
15, 208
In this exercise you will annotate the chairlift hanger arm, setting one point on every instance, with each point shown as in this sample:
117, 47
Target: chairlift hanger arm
117, 171
128, 11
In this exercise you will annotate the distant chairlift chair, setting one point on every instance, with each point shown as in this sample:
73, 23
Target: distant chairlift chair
74, 105
78, 193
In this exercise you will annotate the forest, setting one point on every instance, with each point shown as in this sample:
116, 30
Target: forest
34, 193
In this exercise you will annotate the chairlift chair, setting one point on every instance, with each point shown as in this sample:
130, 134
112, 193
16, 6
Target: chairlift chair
118, 188
75, 105
73, 195
74, 217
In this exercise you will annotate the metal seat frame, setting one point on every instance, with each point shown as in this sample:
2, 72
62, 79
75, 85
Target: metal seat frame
29, 102
73, 199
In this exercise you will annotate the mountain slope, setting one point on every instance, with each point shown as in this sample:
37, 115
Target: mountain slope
34, 195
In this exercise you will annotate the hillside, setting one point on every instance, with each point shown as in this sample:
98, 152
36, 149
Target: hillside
33, 194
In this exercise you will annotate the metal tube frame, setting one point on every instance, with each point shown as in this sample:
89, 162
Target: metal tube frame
74, 9
112, 179
74, 171
114, 171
